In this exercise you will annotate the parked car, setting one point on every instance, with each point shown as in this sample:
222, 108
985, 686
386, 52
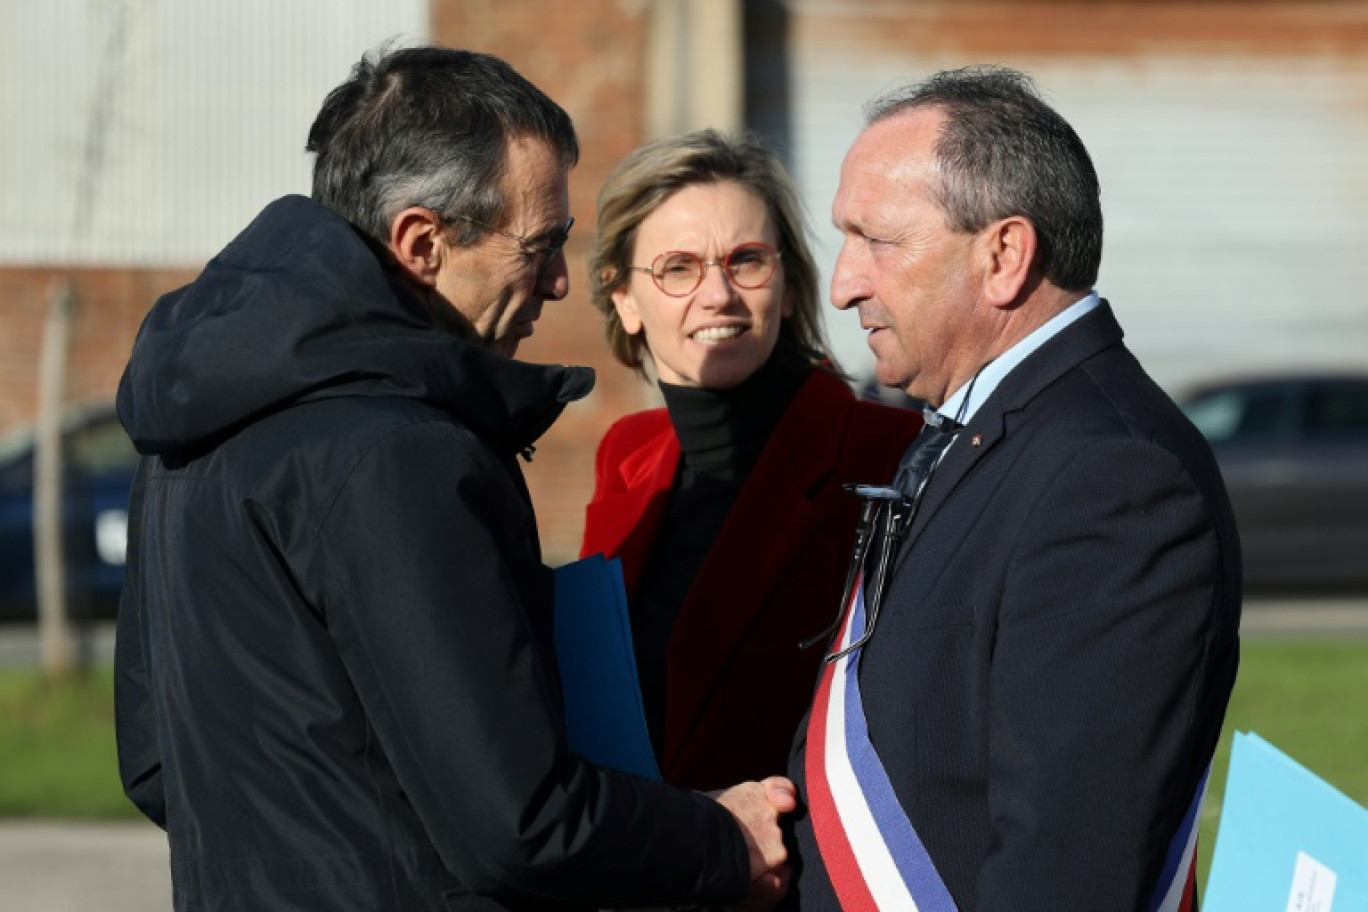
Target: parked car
100, 463
1294, 454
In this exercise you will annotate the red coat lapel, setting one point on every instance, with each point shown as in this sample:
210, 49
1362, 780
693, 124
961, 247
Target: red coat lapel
771, 521
639, 457
786, 504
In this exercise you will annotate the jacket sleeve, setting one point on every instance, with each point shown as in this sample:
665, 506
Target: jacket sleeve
427, 555
1114, 659
140, 767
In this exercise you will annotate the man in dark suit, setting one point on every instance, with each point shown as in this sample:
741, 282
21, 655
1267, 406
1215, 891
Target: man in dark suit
1050, 610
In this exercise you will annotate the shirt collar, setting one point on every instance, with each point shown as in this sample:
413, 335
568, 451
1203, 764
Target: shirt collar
991, 374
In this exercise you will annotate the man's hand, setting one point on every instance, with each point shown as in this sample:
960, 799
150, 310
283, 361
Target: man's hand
757, 807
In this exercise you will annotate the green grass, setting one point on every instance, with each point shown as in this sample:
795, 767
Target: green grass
1309, 698
1306, 697
57, 747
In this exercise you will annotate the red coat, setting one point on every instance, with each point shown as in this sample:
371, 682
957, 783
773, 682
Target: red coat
736, 683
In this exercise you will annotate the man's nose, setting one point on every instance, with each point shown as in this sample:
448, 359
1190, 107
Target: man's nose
848, 286
554, 281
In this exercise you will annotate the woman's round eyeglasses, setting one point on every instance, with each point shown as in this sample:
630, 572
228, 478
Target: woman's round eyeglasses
678, 273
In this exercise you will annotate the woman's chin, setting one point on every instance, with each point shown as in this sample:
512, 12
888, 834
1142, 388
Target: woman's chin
725, 376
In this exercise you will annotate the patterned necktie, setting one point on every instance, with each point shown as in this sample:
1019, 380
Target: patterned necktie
935, 436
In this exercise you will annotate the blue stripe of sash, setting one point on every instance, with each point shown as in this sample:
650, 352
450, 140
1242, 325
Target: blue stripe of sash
913, 863
1178, 846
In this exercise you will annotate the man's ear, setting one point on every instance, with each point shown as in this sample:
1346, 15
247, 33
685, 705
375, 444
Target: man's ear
1011, 245
416, 242
627, 309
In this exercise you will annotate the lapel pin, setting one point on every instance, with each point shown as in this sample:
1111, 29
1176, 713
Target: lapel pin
977, 440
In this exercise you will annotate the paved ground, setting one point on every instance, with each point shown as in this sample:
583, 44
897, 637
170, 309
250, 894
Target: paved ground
78, 867
19, 645
1305, 617
122, 867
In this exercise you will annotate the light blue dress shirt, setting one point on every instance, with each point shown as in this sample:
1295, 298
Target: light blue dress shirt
990, 375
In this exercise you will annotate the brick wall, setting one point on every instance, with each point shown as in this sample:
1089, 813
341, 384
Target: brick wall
110, 304
589, 57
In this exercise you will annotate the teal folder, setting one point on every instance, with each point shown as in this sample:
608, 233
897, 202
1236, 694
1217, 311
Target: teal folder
604, 718
1288, 841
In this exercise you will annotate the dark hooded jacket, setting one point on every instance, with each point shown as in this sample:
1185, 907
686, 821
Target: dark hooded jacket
335, 683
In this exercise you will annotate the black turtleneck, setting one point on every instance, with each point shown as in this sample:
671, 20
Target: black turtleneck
721, 434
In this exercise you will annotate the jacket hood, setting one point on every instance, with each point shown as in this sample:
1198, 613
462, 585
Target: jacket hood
298, 308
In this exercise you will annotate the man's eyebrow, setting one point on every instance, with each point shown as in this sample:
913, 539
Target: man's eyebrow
546, 235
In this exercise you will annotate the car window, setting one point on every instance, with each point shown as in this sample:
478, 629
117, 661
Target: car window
15, 445
1337, 413
102, 446
1245, 415
97, 447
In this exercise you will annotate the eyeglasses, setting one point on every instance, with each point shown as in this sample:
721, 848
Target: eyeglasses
678, 273
543, 247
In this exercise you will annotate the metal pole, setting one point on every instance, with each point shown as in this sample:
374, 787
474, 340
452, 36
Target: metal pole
48, 535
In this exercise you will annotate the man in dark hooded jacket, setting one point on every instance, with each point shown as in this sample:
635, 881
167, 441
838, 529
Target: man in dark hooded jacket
335, 681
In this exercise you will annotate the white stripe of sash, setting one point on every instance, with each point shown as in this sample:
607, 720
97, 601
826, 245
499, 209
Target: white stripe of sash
881, 874
1173, 899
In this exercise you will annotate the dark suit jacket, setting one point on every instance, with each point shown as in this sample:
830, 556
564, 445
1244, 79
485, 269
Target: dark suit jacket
1051, 667
736, 682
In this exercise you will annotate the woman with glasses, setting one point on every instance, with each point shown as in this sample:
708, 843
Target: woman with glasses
726, 506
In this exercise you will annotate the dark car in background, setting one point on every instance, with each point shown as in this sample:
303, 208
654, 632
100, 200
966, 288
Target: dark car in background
99, 465
1294, 454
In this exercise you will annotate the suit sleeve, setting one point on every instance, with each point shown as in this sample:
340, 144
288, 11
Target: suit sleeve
428, 552
1102, 682
140, 766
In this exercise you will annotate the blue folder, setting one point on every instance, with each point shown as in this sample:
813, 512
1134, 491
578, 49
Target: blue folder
604, 717
1288, 840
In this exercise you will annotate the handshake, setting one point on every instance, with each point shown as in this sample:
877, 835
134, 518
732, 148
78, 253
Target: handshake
757, 807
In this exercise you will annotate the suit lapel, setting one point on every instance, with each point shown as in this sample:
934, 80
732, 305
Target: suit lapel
973, 443
1070, 347
772, 520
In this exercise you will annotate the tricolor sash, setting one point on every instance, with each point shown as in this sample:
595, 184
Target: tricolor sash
1177, 887
873, 856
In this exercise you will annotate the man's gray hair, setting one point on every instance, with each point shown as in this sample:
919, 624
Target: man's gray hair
428, 127
1003, 152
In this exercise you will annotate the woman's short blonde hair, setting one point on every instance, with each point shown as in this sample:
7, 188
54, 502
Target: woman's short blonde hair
658, 170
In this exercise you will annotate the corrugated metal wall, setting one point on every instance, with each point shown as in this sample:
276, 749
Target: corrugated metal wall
142, 132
